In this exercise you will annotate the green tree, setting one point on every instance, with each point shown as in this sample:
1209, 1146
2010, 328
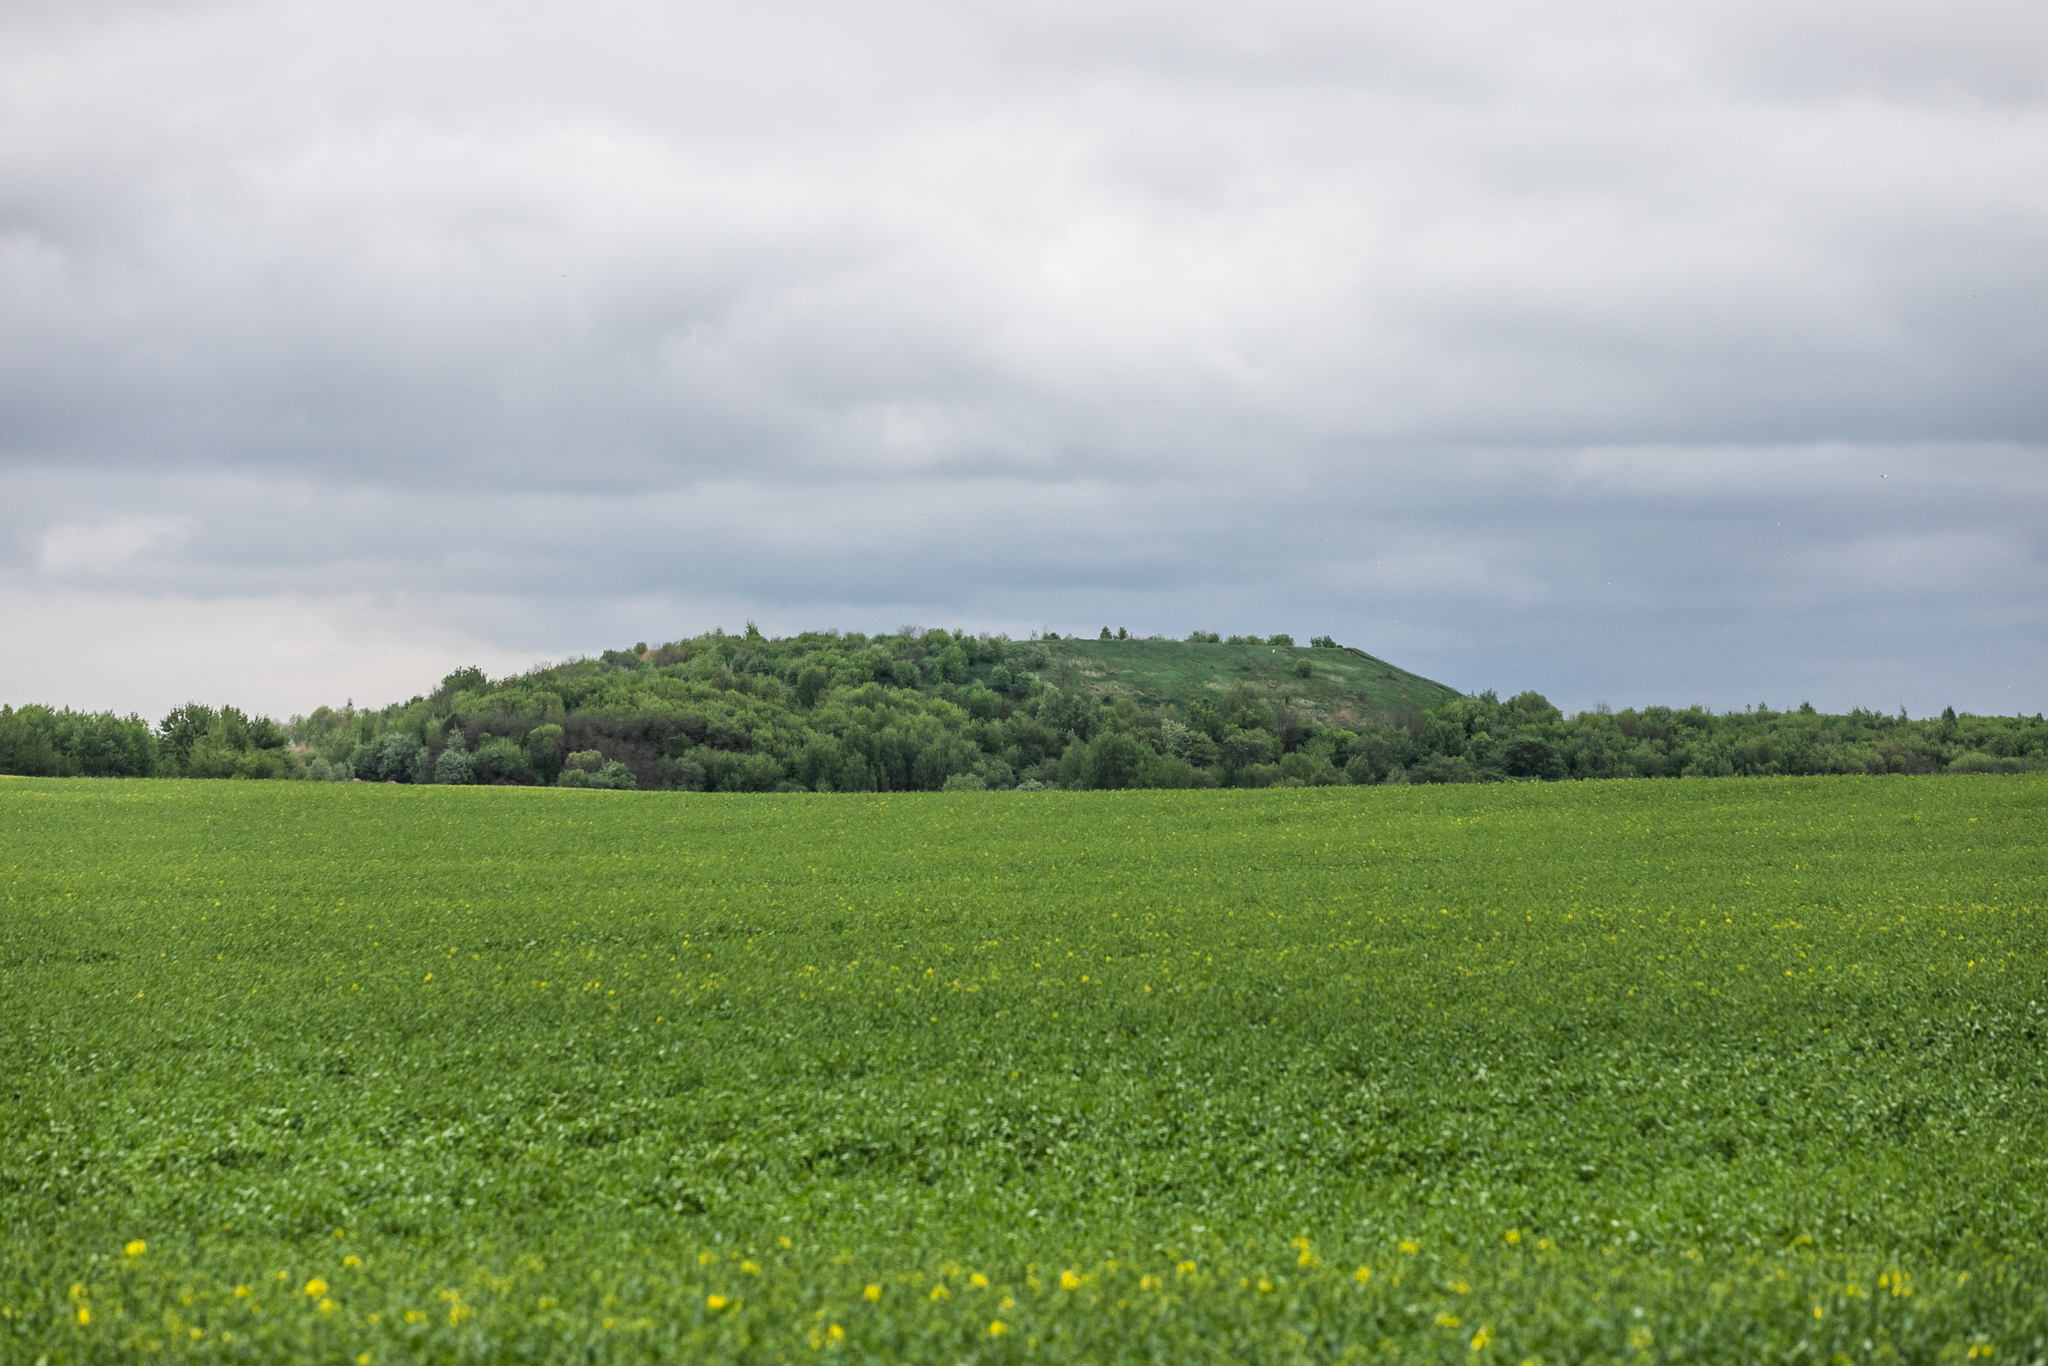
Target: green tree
544, 748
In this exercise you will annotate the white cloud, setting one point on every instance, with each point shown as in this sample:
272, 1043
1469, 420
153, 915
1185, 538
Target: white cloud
104, 547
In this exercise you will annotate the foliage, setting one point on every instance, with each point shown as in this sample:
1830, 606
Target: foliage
1634, 1072
48, 742
921, 709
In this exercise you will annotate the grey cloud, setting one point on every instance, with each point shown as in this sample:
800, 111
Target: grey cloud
1429, 322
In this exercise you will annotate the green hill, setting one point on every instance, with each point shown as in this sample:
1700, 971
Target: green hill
1343, 686
830, 711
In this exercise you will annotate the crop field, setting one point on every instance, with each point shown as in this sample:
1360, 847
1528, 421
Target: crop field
1733, 1070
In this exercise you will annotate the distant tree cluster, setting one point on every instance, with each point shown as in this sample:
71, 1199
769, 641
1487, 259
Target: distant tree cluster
195, 741
938, 710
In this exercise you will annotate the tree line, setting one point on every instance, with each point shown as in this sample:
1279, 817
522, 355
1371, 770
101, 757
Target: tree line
943, 710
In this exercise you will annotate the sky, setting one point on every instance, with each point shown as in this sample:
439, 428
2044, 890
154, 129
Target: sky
1687, 353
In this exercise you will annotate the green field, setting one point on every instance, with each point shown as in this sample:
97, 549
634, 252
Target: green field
1344, 686
1739, 1070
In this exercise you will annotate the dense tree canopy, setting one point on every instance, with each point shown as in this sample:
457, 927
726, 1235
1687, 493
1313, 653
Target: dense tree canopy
932, 710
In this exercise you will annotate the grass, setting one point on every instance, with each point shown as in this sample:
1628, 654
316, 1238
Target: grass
1345, 686
1736, 1070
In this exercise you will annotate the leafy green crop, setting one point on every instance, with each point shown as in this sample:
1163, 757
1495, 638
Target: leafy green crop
1732, 1071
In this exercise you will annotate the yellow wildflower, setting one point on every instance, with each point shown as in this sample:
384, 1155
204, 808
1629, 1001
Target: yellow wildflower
1482, 1337
939, 1292
1447, 1320
351, 1260
1362, 1275
978, 1281
1407, 1246
874, 1294
996, 1328
315, 1288
136, 1248
1069, 1281
715, 1301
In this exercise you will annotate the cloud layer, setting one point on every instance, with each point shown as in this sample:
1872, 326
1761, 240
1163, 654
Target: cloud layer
1678, 355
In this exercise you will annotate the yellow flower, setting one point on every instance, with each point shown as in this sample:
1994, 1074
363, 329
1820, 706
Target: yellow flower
84, 1314
784, 1241
1069, 1281
835, 1332
874, 1294
1447, 1320
750, 1268
351, 1260
1148, 1282
1007, 1303
715, 1301
1482, 1337
1265, 1286
1460, 1288
241, 1292
996, 1328
1514, 1235
1407, 1246
1362, 1275
363, 1359
326, 1306
939, 1292
978, 1281
315, 1288
1186, 1268
136, 1248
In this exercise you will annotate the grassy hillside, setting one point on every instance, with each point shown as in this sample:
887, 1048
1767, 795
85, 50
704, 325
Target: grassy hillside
1741, 1071
1345, 687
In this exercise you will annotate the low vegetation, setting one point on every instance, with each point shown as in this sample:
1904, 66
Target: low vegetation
1633, 1072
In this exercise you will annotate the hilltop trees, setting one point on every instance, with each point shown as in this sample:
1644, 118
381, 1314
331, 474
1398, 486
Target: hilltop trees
931, 710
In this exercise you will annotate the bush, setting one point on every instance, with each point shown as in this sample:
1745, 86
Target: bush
1442, 768
1310, 770
453, 767
613, 775
965, 782
500, 760
681, 773
393, 757
1978, 762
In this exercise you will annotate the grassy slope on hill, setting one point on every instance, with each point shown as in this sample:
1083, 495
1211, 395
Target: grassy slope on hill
1739, 1071
1347, 687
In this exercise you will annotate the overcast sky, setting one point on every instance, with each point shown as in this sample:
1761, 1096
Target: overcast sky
1674, 353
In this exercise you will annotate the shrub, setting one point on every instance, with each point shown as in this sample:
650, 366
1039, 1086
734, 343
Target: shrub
393, 757
454, 767
612, 775
500, 759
